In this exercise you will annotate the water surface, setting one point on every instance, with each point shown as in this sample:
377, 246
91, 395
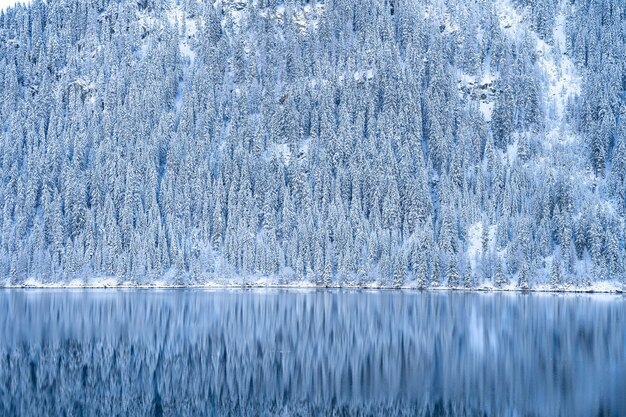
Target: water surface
310, 353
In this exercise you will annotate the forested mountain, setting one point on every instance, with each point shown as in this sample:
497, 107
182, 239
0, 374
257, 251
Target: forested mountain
398, 142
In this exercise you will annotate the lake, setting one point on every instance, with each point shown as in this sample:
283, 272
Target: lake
310, 353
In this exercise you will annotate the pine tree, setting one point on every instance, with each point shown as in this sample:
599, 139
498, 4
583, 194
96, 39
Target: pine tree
523, 277
468, 276
500, 278
327, 273
555, 273
453, 274
399, 271
421, 272
485, 238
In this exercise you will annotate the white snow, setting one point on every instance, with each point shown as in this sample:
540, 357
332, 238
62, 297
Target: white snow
236, 14
187, 52
486, 108
363, 75
307, 17
561, 81
511, 151
441, 16
605, 287
509, 18
102, 282
282, 152
175, 15
479, 89
475, 246
5, 4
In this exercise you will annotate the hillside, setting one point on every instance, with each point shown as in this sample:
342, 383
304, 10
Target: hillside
394, 143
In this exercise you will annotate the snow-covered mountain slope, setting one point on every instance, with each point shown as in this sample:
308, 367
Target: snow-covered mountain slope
353, 143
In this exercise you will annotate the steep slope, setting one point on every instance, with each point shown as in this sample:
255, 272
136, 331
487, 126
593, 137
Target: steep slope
376, 143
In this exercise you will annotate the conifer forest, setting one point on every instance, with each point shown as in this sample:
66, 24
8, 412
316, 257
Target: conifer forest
389, 143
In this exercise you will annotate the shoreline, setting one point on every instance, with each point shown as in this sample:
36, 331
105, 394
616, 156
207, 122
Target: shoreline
601, 288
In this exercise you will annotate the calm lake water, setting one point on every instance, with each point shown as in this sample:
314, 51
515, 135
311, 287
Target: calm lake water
310, 353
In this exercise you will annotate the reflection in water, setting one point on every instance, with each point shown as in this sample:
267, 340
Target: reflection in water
309, 353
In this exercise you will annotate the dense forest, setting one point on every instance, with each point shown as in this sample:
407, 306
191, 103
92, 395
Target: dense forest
417, 143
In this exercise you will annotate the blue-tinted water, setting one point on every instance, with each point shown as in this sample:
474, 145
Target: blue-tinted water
310, 353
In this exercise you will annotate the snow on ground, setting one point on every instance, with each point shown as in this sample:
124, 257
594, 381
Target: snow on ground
511, 150
103, 282
561, 81
175, 15
486, 108
596, 287
304, 18
187, 52
605, 287
5, 4
188, 29
510, 19
479, 89
308, 17
237, 11
364, 75
282, 152
475, 246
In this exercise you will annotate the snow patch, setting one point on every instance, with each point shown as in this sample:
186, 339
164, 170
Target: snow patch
237, 10
475, 247
308, 17
561, 81
475, 242
305, 18
282, 152
5, 4
103, 282
486, 109
509, 18
511, 151
364, 75
605, 287
479, 89
169, 281
441, 17
187, 52
176, 16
